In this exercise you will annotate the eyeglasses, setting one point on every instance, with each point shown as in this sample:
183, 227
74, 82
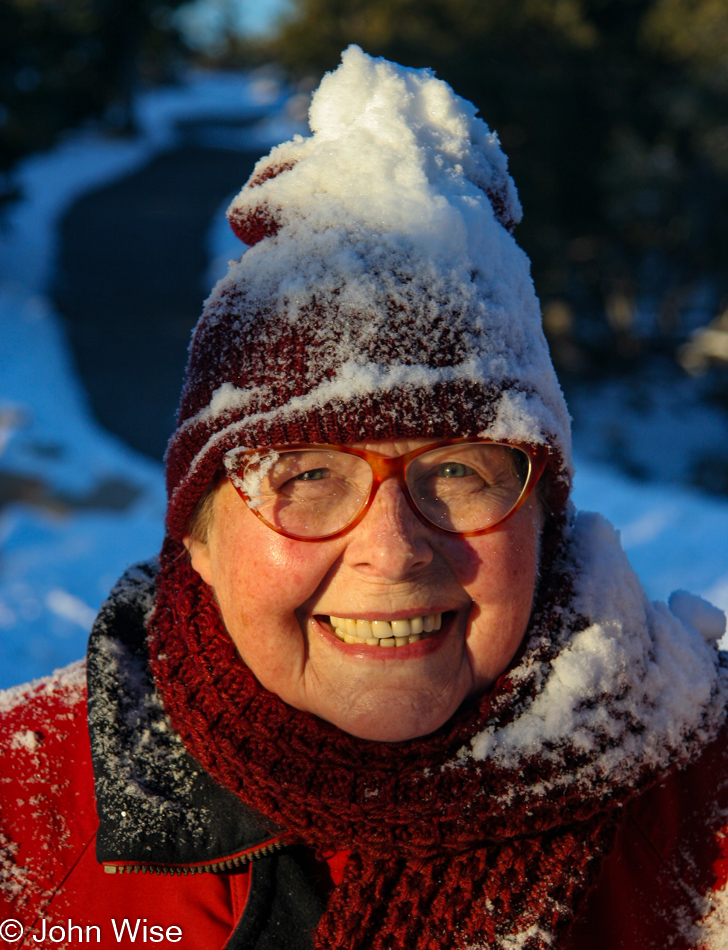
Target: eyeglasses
317, 492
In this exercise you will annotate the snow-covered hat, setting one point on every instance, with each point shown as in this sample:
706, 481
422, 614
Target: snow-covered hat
382, 294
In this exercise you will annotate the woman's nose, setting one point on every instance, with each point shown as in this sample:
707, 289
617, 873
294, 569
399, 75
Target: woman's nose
390, 540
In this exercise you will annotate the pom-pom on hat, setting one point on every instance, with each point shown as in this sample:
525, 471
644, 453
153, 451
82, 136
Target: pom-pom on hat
382, 294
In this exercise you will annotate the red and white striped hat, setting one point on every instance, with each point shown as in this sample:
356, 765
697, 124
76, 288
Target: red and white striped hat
382, 296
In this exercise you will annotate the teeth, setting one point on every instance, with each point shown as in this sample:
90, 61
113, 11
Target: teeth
386, 633
381, 629
363, 629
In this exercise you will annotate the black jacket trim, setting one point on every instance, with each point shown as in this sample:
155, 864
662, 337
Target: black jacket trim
158, 806
156, 803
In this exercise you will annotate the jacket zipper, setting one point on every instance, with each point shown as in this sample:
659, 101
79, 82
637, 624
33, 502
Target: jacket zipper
216, 867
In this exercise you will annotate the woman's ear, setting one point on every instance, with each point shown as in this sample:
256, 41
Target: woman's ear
199, 553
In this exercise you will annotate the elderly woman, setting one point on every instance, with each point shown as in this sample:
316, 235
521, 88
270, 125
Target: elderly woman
385, 689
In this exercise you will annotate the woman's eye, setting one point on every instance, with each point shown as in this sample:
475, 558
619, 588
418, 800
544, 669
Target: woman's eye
313, 475
454, 470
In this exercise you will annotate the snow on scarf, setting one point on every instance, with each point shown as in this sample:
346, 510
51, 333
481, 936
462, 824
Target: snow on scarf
490, 831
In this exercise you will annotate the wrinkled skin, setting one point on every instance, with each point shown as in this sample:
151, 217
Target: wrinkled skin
276, 594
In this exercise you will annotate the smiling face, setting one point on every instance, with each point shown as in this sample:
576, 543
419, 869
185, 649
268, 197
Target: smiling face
277, 595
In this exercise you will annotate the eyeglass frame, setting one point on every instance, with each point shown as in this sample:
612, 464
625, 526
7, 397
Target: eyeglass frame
385, 466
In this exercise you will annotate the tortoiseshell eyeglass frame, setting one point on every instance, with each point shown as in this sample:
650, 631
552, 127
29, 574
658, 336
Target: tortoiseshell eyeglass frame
384, 467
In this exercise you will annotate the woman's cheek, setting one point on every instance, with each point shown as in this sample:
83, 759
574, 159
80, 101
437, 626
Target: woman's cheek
265, 581
502, 591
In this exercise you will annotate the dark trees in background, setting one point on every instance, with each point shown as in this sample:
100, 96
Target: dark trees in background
65, 61
614, 114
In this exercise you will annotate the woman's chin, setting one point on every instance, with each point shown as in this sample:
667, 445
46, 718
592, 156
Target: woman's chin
389, 734
384, 725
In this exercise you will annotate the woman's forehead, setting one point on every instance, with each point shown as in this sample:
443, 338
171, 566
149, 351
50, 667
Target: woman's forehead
393, 447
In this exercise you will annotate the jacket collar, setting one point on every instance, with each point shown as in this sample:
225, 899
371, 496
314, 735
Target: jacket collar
156, 803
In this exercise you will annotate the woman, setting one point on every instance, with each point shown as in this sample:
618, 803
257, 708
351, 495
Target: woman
386, 689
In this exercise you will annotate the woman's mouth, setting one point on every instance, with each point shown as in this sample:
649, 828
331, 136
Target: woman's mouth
386, 633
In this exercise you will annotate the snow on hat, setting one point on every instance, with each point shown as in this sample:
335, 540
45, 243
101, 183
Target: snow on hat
382, 294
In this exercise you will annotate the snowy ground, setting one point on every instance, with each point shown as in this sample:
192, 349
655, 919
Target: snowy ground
78, 506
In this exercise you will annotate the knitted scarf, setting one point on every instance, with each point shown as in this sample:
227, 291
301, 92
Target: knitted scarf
490, 831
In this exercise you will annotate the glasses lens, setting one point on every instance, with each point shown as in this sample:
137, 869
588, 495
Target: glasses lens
307, 493
469, 486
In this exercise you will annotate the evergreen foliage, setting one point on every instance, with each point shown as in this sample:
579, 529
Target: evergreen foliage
63, 61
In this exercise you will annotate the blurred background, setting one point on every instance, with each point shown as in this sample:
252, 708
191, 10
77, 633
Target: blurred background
127, 125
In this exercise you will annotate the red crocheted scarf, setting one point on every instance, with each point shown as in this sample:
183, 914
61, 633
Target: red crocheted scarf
447, 850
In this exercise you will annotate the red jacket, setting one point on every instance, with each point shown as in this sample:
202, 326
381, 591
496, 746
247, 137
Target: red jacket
50, 875
667, 872
210, 874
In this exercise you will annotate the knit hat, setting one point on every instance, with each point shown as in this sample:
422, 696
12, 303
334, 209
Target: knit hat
382, 295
